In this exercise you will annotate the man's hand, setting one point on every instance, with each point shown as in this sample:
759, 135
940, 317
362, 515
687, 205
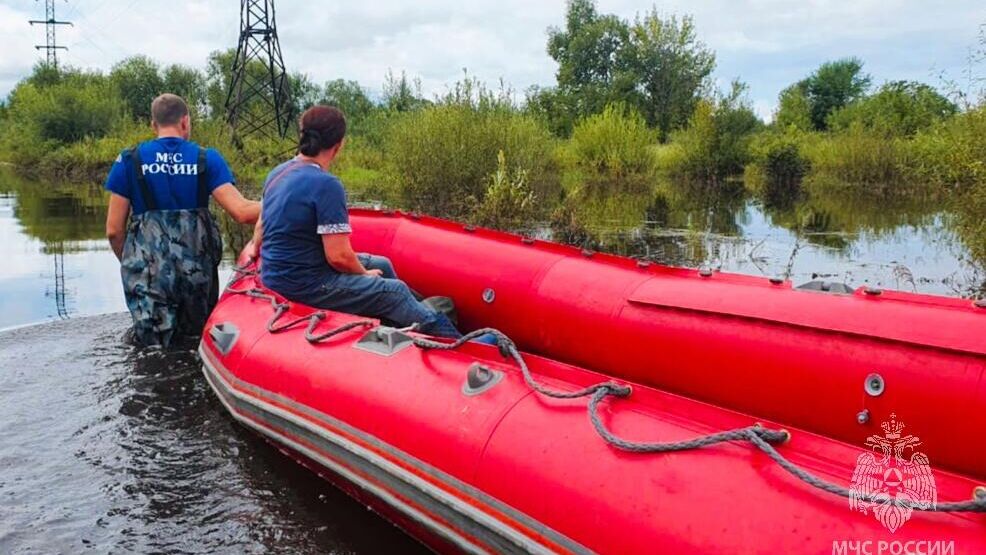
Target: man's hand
116, 223
374, 273
250, 251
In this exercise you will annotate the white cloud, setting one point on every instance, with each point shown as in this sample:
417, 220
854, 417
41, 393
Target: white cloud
768, 43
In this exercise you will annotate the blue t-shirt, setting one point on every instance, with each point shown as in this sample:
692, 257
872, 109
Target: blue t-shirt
301, 203
171, 169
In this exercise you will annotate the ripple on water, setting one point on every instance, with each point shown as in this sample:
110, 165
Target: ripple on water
107, 448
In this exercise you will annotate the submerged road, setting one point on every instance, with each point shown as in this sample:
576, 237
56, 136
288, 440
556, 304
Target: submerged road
106, 448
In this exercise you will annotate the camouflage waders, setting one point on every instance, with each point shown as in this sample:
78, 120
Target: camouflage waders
170, 264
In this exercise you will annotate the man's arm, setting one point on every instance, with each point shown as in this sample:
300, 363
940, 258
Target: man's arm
116, 223
340, 255
241, 209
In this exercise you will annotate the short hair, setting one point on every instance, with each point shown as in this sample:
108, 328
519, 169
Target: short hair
168, 109
320, 128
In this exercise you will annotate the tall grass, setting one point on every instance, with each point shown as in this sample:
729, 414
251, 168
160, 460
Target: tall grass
858, 158
952, 154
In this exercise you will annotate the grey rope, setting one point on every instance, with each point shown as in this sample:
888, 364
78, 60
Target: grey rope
975, 505
762, 438
509, 349
280, 309
738, 434
319, 316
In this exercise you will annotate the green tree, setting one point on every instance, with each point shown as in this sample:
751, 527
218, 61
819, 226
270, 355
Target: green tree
349, 97
219, 68
655, 65
793, 110
593, 67
441, 156
188, 83
44, 74
899, 108
832, 86
671, 66
138, 80
402, 95
305, 93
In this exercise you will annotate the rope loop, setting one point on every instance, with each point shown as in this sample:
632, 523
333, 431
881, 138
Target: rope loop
312, 338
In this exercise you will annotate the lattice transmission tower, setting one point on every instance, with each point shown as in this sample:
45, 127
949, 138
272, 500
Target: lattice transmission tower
259, 97
51, 23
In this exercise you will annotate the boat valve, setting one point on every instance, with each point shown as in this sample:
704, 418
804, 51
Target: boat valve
874, 385
480, 379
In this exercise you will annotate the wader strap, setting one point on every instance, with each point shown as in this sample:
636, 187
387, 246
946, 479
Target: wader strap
203, 181
138, 169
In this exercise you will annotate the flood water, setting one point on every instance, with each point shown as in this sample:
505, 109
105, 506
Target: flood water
106, 448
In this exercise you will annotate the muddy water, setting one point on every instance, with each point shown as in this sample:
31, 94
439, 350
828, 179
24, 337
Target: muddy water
107, 449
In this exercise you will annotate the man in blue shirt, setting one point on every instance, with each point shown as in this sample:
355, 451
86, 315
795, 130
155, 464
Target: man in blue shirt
170, 251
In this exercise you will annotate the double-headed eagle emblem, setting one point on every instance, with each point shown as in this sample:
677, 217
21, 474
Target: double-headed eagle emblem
890, 482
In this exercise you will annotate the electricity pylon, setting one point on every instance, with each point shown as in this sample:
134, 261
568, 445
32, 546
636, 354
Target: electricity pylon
259, 97
51, 45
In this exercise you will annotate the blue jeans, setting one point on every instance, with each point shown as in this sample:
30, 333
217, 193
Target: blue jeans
385, 297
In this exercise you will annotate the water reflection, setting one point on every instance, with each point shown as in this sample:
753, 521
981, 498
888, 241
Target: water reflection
909, 242
64, 217
57, 263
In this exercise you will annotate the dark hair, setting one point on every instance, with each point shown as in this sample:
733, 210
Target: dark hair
320, 128
168, 109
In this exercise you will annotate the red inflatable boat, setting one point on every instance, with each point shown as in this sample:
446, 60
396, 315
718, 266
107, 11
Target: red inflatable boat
622, 420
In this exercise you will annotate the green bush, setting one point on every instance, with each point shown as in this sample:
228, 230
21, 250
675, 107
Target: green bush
861, 158
716, 143
67, 111
611, 152
952, 153
52, 109
363, 170
778, 166
508, 203
898, 109
441, 157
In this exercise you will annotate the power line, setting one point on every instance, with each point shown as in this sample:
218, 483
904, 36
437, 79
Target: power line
51, 23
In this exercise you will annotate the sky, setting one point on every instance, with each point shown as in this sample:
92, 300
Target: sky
769, 44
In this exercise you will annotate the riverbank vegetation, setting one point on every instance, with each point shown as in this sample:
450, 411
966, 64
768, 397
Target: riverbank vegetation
634, 105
